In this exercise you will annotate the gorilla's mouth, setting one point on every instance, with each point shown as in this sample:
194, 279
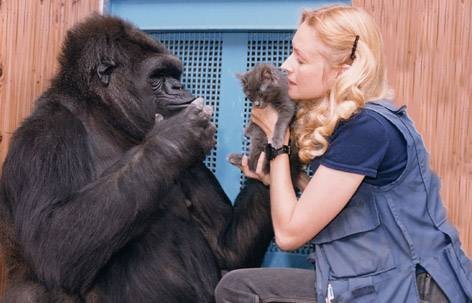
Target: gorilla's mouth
180, 105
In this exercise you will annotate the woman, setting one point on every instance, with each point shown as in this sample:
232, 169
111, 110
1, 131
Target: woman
371, 209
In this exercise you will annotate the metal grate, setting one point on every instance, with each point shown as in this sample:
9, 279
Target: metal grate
201, 57
264, 47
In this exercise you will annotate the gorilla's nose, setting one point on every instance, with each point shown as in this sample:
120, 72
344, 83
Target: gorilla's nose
177, 86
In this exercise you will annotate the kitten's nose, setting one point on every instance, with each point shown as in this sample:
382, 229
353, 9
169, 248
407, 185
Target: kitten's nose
283, 71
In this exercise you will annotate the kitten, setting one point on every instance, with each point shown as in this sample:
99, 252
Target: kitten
265, 85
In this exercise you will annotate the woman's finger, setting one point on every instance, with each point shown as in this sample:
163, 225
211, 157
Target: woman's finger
256, 111
246, 170
260, 165
265, 178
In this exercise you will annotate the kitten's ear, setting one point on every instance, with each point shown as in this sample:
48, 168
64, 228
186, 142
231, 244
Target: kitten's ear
242, 77
269, 75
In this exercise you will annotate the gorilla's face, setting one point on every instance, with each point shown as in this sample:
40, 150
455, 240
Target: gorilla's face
133, 76
152, 77
163, 77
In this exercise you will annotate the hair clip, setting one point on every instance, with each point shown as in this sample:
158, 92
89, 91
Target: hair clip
354, 47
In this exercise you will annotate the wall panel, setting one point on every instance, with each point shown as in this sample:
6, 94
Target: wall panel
31, 32
427, 46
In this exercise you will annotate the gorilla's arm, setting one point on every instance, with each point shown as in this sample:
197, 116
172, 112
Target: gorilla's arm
68, 221
239, 235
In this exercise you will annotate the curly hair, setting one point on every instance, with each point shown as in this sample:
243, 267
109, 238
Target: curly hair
337, 27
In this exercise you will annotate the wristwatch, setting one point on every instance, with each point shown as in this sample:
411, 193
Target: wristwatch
272, 152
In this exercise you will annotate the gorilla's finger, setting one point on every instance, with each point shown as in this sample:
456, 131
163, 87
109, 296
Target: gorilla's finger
208, 110
198, 103
205, 112
211, 130
194, 117
158, 117
203, 117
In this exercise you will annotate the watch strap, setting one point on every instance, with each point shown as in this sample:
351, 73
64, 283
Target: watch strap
272, 152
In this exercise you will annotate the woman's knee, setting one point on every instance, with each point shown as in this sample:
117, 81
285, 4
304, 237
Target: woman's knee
231, 283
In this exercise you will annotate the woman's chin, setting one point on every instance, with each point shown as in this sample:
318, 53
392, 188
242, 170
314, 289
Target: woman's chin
292, 94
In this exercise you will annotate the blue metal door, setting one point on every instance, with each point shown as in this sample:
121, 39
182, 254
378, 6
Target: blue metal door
217, 40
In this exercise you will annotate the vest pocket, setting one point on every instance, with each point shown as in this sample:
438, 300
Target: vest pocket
366, 294
354, 290
353, 244
359, 215
459, 265
458, 261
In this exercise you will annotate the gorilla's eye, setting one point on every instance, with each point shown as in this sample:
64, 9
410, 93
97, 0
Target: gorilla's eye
156, 83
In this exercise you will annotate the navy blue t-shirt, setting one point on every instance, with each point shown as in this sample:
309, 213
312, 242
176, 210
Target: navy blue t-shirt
366, 144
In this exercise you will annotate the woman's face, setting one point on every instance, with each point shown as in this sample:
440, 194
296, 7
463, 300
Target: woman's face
309, 74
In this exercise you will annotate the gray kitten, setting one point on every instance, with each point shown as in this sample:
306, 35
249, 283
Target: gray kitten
265, 85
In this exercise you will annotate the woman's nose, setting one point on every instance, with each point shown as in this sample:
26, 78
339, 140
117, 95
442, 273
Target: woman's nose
286, 65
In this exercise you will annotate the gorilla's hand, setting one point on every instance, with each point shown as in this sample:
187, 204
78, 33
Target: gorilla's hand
186, 137
198, 131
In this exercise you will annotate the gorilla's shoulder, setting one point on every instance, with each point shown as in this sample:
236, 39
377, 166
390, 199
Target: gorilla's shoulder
50, 124
49, 142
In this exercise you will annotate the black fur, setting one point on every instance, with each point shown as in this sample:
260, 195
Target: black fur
103, 194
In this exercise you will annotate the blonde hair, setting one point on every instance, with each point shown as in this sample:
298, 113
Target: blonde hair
365, 79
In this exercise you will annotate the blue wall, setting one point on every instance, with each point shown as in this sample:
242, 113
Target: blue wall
214, 14
215, 39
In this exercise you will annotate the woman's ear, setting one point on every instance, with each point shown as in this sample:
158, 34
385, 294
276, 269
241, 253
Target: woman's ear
342, 69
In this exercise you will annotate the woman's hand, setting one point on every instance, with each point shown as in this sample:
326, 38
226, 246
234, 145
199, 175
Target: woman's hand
258, 174
265, 118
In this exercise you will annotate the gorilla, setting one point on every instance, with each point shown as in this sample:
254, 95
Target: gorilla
104, 196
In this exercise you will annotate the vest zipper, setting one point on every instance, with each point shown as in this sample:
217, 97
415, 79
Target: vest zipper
330, 294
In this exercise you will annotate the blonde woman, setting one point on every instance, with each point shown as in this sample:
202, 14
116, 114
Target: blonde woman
371, 209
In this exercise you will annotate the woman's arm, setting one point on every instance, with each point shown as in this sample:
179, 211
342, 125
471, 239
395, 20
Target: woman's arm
326, 194
328, 191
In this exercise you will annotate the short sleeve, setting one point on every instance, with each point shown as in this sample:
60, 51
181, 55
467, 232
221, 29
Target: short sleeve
357, 145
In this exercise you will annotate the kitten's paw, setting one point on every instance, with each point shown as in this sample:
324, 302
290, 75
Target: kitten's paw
235, 159
277, 142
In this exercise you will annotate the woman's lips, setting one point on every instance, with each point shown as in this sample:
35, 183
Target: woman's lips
291, 82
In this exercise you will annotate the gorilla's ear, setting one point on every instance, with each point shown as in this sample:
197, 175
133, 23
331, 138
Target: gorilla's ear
104, 70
